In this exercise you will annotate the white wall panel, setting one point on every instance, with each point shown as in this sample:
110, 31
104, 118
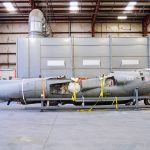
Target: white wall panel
12, 58
80, 35
124, 27
136, 27
59, 27
98, 27
130, 61
23, 27
56, 63
112, 27
81, 27
106, 35
4, 58
129, 41
98, 35
91, 41
61, 35
10, 48
129, 35
10, 38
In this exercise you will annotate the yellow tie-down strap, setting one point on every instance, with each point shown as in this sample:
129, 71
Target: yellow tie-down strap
74, 97
43, 89
102, 84
116, 102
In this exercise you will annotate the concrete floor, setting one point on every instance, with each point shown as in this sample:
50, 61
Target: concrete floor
25, 128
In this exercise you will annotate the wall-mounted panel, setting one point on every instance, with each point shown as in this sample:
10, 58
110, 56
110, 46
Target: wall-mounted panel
91, 41
56, 41
117, 62
90, 72
34, 55
91, 51
91, 62
130, 62
56, 63
103, 62
56, 51
129, 41
131, 50
23, 58
55, 73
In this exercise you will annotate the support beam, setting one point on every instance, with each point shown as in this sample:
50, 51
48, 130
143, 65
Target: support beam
32, 4
145, 23
94, 17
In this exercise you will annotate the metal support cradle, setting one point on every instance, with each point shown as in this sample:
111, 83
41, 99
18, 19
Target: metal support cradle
136, 97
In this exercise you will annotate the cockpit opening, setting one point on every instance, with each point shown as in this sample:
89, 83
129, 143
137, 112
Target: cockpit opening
110, 82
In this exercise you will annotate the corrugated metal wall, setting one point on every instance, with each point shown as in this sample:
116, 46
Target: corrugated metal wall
79, 56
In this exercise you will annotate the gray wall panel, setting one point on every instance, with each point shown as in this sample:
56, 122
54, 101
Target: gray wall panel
134, 50
35, 53
129, 41
91, 51
91, 41
22, 58
90, 72
55, 41
56, 51
117, 62
104, 62
60, 72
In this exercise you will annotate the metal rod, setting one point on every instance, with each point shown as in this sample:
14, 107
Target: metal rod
136, 97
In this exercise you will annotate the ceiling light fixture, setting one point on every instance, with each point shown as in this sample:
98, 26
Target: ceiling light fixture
9, 6
130, 6
74, 6
122, 17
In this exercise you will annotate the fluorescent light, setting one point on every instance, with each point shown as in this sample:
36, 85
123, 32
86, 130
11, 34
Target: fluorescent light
74, 6
129, 8
11, 9
130, 5
122, 17
9, 6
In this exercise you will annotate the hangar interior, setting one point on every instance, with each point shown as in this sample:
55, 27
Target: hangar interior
73, 38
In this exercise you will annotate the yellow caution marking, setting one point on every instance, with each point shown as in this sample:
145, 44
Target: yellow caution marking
102, 84
74, 97
43, 89
84, 110
115, 101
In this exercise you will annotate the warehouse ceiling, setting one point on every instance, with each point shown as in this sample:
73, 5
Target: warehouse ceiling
91, 11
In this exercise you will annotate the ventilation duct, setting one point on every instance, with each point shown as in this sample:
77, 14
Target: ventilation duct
37, 24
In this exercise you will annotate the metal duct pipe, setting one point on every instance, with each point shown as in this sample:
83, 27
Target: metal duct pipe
37, 24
